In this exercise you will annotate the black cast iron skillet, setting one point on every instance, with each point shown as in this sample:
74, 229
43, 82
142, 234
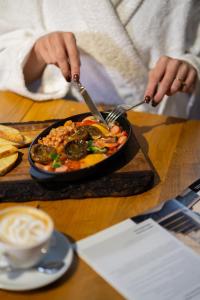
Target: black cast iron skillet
102, 168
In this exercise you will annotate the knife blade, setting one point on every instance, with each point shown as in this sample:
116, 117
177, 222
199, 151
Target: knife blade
90, 103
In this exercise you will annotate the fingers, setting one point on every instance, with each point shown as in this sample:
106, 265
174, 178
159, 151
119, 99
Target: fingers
167, 80
169, 77
73, 54
60, 55
190, 81
59, 48
180, 78
41, 52
155, 76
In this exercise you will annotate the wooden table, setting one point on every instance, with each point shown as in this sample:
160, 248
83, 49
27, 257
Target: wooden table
173, 146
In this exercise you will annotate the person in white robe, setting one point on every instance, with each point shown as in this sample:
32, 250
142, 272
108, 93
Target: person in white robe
128, 49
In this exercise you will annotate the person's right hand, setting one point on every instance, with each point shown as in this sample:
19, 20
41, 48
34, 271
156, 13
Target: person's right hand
58, 48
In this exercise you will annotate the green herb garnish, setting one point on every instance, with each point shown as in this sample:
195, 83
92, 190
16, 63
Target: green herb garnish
54, 155
56, 163
95, 149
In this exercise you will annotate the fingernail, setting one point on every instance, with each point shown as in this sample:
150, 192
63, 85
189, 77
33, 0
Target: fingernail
153, 103
68, 78
147, 99
76, 77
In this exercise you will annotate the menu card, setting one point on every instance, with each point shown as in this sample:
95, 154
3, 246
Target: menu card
143, 261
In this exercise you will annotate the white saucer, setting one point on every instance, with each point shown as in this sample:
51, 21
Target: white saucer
23, 280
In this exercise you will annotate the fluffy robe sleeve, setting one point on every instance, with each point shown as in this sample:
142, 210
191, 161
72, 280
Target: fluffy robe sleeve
15, 47
192, 36
171, 28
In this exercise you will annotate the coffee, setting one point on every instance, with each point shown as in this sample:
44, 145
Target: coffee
24, 226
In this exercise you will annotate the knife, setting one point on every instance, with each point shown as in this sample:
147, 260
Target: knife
90, 103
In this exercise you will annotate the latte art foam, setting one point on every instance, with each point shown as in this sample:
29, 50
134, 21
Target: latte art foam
23, 229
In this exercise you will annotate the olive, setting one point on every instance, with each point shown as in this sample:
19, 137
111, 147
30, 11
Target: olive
76, 149
42, 153
94, 132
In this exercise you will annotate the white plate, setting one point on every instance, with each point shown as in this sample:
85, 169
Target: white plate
23, 280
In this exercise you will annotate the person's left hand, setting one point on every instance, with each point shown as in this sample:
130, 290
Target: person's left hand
168, 77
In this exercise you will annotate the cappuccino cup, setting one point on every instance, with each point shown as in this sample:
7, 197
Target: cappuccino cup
25, 234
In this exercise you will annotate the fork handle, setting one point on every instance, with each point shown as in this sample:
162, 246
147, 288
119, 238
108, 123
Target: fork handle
138, 104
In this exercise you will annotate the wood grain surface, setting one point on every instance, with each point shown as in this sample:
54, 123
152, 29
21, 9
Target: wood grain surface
173, 148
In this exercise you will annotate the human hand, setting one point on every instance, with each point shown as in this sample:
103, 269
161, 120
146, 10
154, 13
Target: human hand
60, 49
168, 77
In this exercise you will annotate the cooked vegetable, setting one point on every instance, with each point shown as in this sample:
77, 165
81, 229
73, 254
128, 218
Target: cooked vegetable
72, 164
94, 132
102, 128
80, 134
76, 149
92, 159
77, 145
42, 153
56, 160
86, 122
94, 149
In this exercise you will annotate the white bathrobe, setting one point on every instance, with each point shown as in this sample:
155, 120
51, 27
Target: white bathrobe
119, 40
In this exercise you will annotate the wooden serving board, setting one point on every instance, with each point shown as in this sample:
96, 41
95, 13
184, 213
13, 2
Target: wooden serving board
133, 178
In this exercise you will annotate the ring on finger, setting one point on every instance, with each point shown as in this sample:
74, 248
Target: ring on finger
182, 82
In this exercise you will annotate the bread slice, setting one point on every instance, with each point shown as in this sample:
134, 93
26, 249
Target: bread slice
7, 150
27, 140
11, 134
6, 163
7, 142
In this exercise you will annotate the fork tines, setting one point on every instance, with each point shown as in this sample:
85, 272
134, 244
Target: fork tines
114, 114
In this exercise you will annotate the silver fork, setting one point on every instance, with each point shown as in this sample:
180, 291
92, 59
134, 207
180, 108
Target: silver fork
120, 109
